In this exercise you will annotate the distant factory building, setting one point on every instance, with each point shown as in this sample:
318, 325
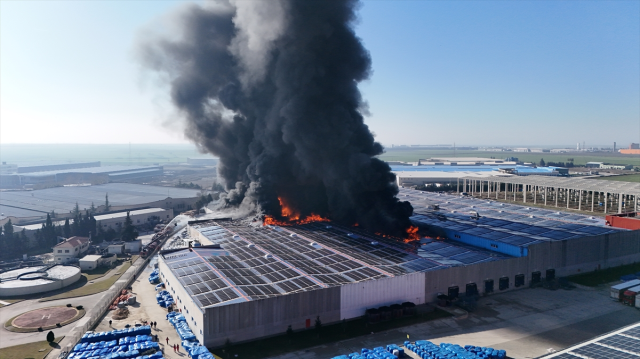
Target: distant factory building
607, 166
77, 175
111, 220
202, 161
634, 149
30, 207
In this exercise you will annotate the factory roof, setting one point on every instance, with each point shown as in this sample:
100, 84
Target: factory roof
449, 174
621, 343
95, 170
513, 225
261, 262
63, 199
585, 184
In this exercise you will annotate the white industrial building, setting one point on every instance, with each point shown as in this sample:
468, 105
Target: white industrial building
90, 262
245, 282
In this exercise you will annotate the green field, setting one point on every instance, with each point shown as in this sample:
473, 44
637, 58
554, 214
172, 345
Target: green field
412, 155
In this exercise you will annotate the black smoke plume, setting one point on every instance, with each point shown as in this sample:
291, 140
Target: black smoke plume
271, 88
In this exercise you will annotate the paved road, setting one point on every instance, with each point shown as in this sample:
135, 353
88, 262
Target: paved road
526, 323
8, 338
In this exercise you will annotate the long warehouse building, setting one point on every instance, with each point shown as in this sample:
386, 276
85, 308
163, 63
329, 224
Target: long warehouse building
245, 282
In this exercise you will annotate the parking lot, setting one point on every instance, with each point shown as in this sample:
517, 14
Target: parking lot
526, 323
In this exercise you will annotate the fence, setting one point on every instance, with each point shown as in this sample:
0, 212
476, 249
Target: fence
95, 314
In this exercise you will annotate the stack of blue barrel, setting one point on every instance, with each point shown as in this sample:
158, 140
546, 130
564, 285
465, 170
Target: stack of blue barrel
117, 344
427, 350
189, 341
154, 277
391, 351
164, 299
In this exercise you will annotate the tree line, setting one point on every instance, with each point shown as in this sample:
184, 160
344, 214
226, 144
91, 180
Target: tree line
13, 245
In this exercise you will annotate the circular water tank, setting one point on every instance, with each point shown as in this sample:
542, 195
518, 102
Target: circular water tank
37, 279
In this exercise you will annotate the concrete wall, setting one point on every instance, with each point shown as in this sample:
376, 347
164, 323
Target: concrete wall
248, 320
356, 298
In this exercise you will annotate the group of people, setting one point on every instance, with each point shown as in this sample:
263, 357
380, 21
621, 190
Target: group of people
176, 347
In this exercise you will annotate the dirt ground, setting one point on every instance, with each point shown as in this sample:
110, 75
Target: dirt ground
146, 309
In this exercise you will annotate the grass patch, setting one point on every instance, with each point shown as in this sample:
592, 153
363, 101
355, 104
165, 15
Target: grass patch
37, 350
96, 273
604, 276
88, 289
328, 334
623, 178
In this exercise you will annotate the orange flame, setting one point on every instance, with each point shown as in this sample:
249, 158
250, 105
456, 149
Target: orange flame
291, 218
411, 235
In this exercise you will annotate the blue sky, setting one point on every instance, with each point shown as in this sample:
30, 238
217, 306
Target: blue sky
470, 72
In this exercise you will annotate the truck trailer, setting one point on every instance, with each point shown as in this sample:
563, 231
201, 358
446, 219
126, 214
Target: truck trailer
629, 296
618, 290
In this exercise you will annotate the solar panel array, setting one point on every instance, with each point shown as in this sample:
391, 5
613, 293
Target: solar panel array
516, 225
261, 262
494, 209
620, 344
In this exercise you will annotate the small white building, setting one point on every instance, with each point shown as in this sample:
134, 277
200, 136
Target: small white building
116, 248
133, 246
90, 262
69, 249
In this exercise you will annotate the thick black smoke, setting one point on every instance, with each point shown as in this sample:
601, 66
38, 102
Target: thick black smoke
270, 87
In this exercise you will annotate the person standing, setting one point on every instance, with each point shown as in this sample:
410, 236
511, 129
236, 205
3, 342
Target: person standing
167, 340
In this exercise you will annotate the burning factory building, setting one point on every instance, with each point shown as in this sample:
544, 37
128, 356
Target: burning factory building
271, 88
245, 280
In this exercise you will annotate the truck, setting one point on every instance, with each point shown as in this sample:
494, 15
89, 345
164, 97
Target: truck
618, 290
629, 296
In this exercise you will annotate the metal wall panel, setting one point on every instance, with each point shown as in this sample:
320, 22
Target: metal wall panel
271, 316
356, 298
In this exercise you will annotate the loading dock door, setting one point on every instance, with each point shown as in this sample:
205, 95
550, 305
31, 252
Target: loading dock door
472, 290
504, 283
551, 274
453, 292
488, 286
519, 280
536, 277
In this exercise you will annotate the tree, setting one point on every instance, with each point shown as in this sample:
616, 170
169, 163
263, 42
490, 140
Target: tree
107, 206
100, 234
129, 232
8, 229
92, 209
76, 211
542, 164
67, 228
51, 337
49, 232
